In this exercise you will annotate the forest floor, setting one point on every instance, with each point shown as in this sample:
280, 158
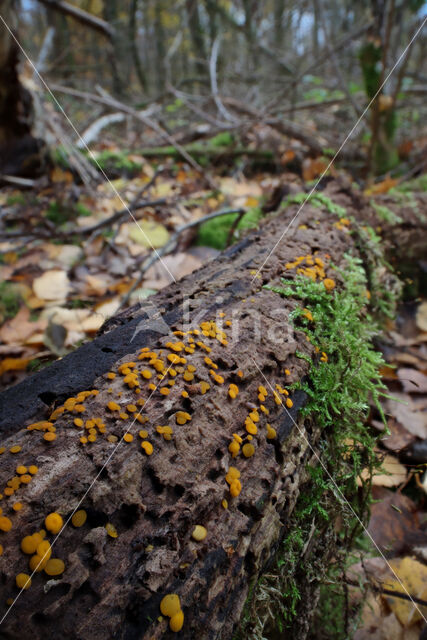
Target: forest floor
71, 261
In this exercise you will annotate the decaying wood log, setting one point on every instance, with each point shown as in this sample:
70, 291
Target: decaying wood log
112, 586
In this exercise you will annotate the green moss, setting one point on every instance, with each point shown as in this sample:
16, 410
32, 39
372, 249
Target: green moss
317, 199
386, 214
417, 184
10, 300
339, 392
214, 233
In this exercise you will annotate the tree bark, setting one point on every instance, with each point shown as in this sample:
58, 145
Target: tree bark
112, 586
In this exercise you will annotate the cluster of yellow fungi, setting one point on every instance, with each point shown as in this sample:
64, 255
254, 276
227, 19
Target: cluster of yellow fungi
170, 606
313, 267
154, 371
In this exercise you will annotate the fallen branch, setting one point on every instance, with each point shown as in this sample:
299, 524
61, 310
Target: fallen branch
170, 245
81, 16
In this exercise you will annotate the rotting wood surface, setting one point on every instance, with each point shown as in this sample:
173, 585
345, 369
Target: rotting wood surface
112, 586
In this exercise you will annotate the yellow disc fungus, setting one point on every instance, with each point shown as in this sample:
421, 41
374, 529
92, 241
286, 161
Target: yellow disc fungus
235, 488
148, 447
26, 478
233, 390
29, 544
248, 450
33, 469
17, 506
49, 437
79, 518
83, 440
128, 437
111, 530
44, 550
5, 523
78, 422
271, 433
177, 621
182, 417
37, 563
289, 403
164, 391
113, 406
204, 386
224, 504
232, 474
329, 284
170, 605
131, 408
199, 533
91, 438
234, 448
21, 469
15, 449
111, 375
143, 433
53, 522
23, 581
54, 567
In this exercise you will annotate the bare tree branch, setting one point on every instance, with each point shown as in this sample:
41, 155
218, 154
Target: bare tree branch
81, 16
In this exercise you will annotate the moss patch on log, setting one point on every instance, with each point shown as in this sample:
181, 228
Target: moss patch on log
340, 387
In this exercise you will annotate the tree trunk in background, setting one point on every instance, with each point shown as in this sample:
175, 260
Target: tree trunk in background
133, 36
21, 154
196, 35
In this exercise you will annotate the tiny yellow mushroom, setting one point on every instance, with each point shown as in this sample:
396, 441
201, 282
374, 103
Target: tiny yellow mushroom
5, 523
329, 284
111, 530
177, 621
248, 450
234, 448
79, 518
147, 447
54, 567
199, 533
233, 390
15, 449
29, 544
170, 605
53, 522
271, 433
49, 437
23, 581
113, 406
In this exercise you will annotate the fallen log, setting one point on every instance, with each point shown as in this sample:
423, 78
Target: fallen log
128, 445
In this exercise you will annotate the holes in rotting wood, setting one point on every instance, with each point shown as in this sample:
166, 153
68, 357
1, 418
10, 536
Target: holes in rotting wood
157, 485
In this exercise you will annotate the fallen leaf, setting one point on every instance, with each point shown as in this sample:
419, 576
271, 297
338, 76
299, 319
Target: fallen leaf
413, 381
398, 438
149, 233
13, 364
390, 474
421, 317
405, 412
95, 285
19, 328
413, 575
393, 517
52, 286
